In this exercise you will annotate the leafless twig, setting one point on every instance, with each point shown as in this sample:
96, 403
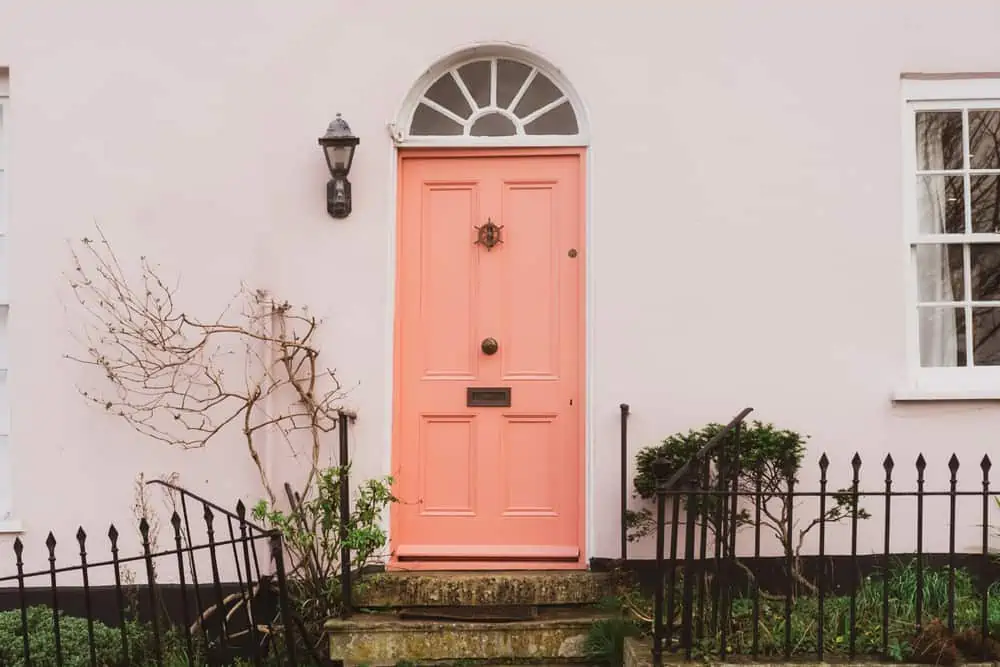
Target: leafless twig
174, 377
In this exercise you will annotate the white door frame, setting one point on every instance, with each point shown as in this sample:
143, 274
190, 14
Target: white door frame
400, 141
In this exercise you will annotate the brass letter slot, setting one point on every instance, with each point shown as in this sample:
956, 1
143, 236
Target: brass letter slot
487, 397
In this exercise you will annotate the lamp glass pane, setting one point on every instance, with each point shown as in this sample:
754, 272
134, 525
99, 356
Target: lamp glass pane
339, 157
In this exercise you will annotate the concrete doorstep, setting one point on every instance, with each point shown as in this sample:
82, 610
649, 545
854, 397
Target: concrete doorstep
446, 589
384, 640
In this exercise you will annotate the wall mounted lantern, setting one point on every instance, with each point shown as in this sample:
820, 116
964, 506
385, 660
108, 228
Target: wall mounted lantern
338, 145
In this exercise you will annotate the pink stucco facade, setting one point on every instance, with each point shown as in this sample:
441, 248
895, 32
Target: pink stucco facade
745, 225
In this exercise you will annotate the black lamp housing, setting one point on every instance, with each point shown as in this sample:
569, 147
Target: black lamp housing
338, 146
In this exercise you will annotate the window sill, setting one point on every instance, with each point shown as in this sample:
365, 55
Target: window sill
919, 395
11, 527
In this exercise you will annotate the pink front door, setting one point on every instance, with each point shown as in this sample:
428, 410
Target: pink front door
488, 439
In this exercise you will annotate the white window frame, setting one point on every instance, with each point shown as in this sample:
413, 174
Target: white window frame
941, 94
8, 524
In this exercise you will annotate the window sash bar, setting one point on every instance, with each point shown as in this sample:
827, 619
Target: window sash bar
955, 239
958, 304
966, 248
957, 172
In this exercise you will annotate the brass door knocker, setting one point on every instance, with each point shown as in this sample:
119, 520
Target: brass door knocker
489, 234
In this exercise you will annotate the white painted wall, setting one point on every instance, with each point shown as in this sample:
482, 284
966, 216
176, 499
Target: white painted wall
746, 241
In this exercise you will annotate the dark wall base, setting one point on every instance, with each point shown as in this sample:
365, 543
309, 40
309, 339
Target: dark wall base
176, 608
104, 602
839, 573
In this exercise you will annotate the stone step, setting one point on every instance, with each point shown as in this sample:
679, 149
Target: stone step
383, 639
393, 590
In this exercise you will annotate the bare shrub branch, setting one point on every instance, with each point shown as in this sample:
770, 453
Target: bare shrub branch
176, 378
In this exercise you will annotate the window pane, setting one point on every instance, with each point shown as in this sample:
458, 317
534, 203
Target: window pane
3, 201
428, 122
4, 405
984, 143
939, 140
4, 272
446, 93
941, 204
6, 492
477, 79
942, 337
541, 92
510, 78
3, 140
985, 260
4, 341
493, 125
939, 273
985, 204
560, 120
985, 337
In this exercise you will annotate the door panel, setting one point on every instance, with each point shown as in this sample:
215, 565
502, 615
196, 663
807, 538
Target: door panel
530, 300
486, 486
447, 280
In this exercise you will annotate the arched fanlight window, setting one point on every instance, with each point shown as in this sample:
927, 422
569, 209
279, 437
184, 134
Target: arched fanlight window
493, 97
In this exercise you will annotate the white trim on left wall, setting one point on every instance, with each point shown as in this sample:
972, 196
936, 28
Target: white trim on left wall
7, 523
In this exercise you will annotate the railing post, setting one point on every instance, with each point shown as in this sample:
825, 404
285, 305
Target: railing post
919, 602
278, 556
888, 464
624, 480
241, 512
986, 581
346, 604
687, 610
736, 468
25, 635
660, 472
119, 595
175, 522
81, 537
50, 543
154, 611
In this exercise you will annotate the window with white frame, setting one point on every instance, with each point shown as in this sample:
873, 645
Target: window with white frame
6, 492
952, 140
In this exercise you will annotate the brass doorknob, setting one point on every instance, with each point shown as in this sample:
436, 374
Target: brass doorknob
490, 346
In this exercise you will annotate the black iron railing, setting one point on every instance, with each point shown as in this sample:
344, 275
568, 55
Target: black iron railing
624, 408
347, 602
914, 604
667, 484
202, 617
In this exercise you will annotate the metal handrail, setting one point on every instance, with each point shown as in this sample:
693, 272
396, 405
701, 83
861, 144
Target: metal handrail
209, 503
706, 449
663, 487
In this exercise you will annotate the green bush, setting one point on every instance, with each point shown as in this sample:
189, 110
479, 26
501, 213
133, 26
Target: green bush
769, 462
934, 644
73, 636
75, 643
311, 531
768, 455
765, 452
605, 642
